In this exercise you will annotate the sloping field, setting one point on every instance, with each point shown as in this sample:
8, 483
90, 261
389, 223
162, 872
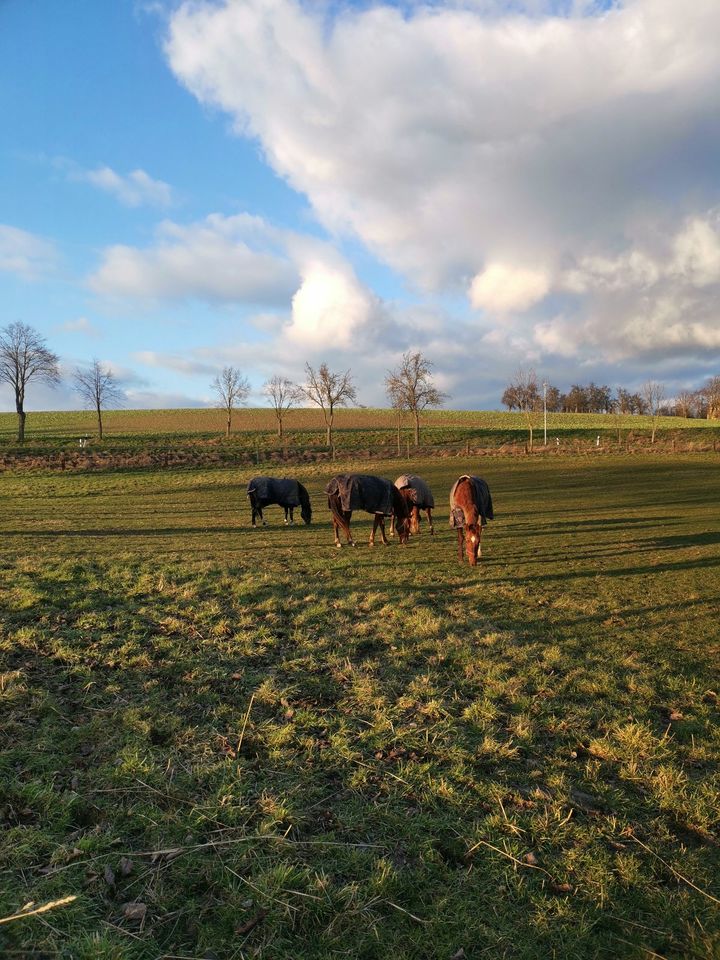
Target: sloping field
208, 422
224, 742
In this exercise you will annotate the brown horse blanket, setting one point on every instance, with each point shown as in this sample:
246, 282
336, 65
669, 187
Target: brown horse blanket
361, 491
482, 499
269, 490
421, 494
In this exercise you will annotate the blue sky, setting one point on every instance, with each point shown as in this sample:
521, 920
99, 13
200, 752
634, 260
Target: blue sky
270, 182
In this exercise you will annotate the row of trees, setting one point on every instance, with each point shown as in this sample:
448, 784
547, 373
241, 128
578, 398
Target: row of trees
524, 392
409, 388
25, 357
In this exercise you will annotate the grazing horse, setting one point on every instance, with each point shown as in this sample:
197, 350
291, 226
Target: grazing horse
470, 509
419, 497
262, 491
360, 491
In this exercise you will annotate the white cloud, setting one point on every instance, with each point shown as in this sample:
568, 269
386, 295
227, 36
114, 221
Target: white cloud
505, 150
80, 325
697, 252
25, 254
175, 362
231, 259
504, 289
331, 307
134, 189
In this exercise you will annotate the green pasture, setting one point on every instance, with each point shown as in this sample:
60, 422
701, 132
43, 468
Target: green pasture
231, 743
355, 428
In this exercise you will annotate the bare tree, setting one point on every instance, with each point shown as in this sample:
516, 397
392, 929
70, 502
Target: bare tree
396, 396
98, 388
329, 390
524, 387
710, 394
231, 388
653, 394
24, 357
282, 394
685, 402
410, 387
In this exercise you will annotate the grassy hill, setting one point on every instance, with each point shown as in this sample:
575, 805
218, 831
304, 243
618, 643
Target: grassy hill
354, 428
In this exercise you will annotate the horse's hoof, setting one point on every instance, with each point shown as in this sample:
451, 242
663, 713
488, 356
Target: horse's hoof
264, 523
339, 546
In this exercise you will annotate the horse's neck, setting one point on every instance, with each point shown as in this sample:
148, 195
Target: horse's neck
471, 515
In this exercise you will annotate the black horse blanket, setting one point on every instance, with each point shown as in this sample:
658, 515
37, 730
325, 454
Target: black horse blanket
269, 490
360, 491
482, 499
421, 494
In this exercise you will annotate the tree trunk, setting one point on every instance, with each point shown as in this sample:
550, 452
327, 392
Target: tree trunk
398, 434
280, 428
21, 426
227, 425
329, 421
417, 428
99, 416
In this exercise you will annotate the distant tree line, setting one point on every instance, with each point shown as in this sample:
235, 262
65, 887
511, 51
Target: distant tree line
526, 393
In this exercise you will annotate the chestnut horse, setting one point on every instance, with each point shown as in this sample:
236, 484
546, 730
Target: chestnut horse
419, 497
470, 509
287, 493
359, 491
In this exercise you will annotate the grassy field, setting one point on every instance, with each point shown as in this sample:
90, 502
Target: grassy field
354, 428
233, 743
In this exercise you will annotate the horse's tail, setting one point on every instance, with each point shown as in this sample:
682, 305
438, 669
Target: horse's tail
335, 505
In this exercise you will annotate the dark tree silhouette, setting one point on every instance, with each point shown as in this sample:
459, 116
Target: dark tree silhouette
410, 387
231, 388
328, 390
98, 388
24, 357
282, 394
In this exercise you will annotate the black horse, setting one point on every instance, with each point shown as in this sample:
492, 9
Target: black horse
360, 491
263, 491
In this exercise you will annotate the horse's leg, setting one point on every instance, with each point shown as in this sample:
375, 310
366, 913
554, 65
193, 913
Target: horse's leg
262, 518
286, 514
429, 516
461, 541
381, 521
479, 553
392, 524
376, 517
347, 515
292, 516
336, 532
253, 511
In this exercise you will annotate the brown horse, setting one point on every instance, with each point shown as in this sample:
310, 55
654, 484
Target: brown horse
470, 509
359, 491
419, 497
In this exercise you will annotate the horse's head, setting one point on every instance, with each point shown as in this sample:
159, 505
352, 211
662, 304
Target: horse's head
413, 512
472, 542
401, 508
